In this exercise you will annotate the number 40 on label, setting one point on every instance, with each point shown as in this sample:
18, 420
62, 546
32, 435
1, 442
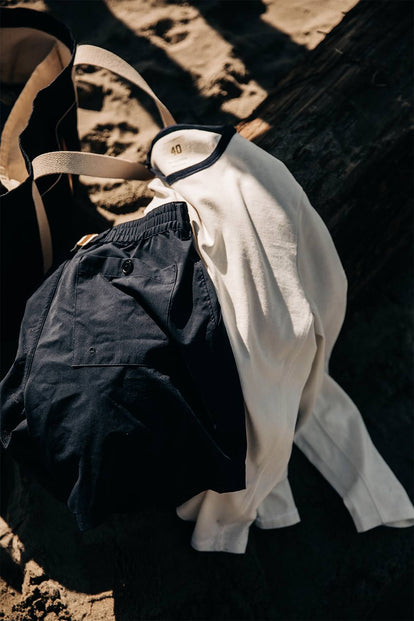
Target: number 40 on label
176, 149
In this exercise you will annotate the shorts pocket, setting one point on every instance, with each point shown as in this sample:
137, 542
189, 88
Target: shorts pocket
121, 310
207, 292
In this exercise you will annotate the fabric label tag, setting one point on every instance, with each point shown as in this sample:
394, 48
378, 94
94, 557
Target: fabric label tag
86, 239
177, 151
182, 149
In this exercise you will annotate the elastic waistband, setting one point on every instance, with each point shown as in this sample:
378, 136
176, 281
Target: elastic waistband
169, 216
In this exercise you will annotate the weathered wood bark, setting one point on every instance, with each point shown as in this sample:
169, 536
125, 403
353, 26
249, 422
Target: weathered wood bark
342, 123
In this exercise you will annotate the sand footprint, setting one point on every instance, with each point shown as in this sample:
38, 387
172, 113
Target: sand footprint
170, 31
90, 96
110, 138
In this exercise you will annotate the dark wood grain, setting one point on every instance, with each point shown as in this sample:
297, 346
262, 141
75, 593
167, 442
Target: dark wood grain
342, 122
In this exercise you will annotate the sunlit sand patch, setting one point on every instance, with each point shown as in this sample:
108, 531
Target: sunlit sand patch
307, 22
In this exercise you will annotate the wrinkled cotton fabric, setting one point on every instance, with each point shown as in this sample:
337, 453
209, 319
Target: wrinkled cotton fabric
282, 291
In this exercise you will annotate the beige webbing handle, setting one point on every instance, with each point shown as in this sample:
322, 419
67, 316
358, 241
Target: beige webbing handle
99, 57
44, 229
91, 164
76, 163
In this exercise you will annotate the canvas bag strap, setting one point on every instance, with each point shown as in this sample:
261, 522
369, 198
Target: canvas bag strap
90, 164
77, 163
98, 56
44, 229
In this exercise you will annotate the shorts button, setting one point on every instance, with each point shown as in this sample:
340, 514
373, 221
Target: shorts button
127, 267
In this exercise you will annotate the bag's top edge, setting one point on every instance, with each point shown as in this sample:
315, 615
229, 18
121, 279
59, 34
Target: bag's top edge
38, 20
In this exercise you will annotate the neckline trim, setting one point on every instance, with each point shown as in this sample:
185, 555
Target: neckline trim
226, 131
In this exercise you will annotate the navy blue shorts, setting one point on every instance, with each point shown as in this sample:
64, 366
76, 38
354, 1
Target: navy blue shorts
125, 389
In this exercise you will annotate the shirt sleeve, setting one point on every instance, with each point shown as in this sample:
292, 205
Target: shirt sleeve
331, 431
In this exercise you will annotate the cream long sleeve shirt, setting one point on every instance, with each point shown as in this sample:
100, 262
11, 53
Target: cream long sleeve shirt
282, 292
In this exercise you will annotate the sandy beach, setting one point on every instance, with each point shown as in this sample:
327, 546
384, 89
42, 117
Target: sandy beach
210, 62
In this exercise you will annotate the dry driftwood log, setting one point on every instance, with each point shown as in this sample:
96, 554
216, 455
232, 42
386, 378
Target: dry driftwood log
342, 123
